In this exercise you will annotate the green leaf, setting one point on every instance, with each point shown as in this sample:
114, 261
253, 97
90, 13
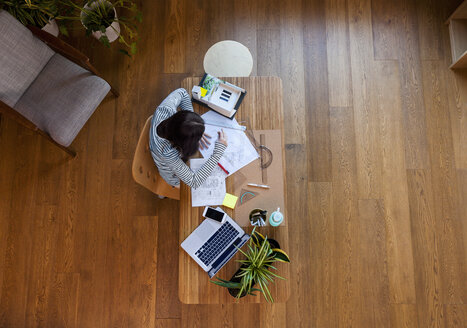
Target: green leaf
63, 30
133, 48
139, 16
123, 51
105, 40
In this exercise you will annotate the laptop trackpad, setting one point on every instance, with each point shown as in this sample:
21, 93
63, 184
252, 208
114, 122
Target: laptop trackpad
207, 230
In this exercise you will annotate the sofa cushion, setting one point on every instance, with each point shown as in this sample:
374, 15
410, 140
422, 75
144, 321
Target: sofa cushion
22, 57
62, 98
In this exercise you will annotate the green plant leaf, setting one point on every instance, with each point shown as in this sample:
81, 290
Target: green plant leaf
139, 16
280, 255
63, 30
133, 48
123, 51
105, 40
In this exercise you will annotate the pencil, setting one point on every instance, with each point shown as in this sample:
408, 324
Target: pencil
258, 185
223, 169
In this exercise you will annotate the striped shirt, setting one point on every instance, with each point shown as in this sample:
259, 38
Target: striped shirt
167, 158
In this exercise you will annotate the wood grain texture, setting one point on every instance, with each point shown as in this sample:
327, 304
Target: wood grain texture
298, 305
263, 108
458, 115
338, 53
430, 23
413, 110
268, 63
456, 315
426, 244
17, 261
174, 37
41, 275
444, 178
344, 197
397, 216
62, 302
404, 316
323, 253
385, 28
245, 28
273, 315
7, 146
242, 314
167, 323
143, 271
167, 303
197, 36
317, 95
374, 293
292, 70
82, 245
366, 117
462, 176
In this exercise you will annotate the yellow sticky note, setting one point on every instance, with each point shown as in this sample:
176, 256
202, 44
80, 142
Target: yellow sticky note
203, 92
230, 201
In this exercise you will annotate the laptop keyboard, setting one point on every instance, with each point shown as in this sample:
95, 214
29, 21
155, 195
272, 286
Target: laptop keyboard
217, 243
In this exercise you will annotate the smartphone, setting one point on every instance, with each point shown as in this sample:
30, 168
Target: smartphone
213, 214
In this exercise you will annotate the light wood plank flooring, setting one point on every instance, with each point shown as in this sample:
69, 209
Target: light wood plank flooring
376, 147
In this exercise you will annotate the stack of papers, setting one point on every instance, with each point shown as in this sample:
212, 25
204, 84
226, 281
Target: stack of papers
212, 191
239, 152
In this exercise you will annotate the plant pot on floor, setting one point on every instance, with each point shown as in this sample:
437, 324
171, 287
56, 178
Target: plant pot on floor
112, 31
51, 27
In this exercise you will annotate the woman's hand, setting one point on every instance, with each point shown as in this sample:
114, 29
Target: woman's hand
222, 137
204, 142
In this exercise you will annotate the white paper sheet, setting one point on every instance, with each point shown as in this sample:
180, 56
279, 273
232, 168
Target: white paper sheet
212, 191
239, 152
213, 118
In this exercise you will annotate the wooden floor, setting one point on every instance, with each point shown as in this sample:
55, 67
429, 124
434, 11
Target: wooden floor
376, 147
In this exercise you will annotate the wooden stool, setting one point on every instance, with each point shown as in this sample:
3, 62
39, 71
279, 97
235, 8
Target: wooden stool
145, 170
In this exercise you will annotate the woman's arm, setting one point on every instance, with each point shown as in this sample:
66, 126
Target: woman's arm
196, 179
178, 98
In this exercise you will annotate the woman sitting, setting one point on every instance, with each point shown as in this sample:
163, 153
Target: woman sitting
175, 136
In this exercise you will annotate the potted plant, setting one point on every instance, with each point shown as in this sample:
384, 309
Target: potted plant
99, 17
255, 269
40, 13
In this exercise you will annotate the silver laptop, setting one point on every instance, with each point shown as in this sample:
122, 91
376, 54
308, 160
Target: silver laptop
213, 244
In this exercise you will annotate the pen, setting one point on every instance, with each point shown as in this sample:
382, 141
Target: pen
223, 169
258, 185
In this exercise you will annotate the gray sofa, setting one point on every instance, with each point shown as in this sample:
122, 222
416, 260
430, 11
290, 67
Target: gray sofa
42, 88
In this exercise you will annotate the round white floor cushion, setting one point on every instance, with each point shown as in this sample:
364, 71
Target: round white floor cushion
228, 58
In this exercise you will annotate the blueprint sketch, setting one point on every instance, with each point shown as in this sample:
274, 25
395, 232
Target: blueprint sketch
212, 191
239, 152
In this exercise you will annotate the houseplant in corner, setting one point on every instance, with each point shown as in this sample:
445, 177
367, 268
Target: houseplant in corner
255, 269
99, 17
40, 13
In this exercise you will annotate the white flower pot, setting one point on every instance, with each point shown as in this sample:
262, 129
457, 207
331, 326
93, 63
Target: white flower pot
51, 27
112, 32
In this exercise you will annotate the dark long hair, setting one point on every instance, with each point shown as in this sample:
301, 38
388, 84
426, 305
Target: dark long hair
184, 130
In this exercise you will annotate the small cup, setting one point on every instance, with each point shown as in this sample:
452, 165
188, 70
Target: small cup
258, 217
276, 218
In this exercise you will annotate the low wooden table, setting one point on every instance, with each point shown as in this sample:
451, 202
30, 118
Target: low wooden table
262, 107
